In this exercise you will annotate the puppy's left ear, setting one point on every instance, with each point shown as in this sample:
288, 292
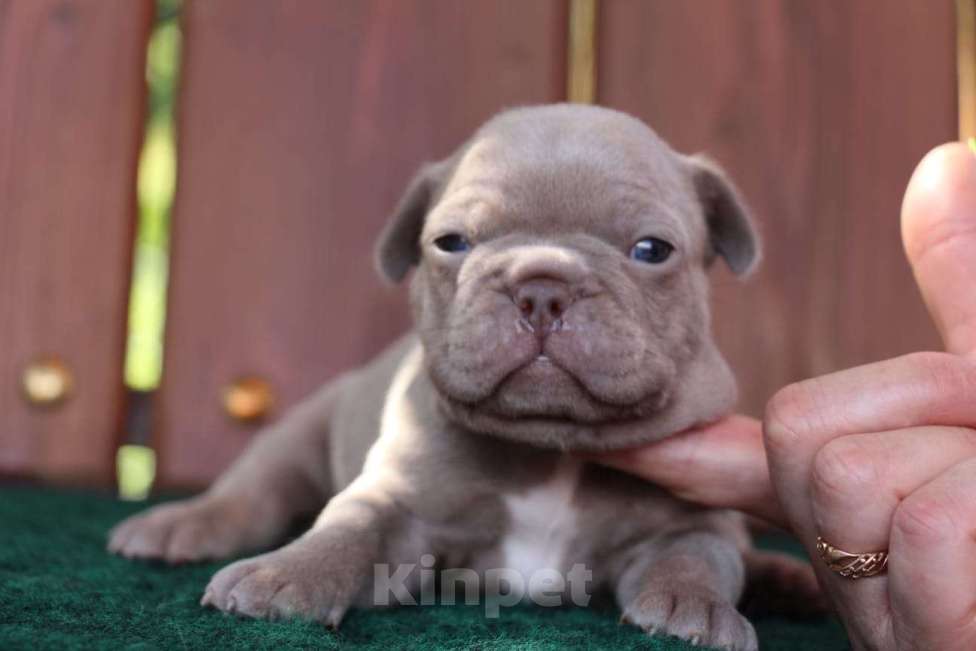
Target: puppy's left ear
731, 231
398, 247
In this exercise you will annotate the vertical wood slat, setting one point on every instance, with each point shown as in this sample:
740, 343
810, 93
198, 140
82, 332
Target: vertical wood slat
820, 110
966, 66
301, 123
71, 116
581, 54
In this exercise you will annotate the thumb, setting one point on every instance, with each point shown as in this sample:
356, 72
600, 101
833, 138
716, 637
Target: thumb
938, 225
719, 465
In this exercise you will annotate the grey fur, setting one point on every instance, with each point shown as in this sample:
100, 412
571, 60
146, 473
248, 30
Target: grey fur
462, 419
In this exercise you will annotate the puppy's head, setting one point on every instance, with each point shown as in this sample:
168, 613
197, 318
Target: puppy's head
561, 292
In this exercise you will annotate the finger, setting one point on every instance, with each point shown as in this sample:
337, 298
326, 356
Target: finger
720, 465
857, 483
859, 480
932, 563
939, 234
910, 391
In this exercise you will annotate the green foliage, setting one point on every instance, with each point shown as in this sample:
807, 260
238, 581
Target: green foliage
135, 468
156, 185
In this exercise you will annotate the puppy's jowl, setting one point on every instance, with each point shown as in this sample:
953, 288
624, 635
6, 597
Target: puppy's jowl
560, 302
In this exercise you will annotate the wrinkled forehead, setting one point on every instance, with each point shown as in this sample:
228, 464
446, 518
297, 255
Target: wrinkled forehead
556, 179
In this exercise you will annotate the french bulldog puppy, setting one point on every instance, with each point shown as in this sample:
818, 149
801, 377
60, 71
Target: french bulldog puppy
561, 306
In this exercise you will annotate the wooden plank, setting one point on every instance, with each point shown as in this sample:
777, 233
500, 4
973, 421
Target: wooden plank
820, 110
966, 66
301, 124
71, 116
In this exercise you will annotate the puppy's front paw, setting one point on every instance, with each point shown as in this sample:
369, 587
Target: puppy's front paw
204, 528
283, 584
697, 617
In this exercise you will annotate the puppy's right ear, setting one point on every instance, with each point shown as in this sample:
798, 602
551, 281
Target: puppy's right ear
398, 247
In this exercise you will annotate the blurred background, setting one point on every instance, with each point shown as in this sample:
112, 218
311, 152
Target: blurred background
189, 189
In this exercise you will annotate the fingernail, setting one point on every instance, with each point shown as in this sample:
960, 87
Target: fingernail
972, 145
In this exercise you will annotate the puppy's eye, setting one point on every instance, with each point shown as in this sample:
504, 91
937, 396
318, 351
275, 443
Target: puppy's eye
452, 243
651, 250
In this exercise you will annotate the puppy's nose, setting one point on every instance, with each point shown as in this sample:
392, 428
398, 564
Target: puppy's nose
542, 302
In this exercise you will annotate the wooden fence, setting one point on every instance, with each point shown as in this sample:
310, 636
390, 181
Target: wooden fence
300, 122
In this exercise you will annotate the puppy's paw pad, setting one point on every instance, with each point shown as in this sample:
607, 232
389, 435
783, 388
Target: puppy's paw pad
699, 619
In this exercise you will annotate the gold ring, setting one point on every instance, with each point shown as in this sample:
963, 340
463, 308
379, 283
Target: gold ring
852, 566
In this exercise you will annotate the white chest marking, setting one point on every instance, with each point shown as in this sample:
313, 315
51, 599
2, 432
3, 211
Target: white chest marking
543, 523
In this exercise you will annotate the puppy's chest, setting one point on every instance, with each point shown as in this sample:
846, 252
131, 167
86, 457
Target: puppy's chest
543, 523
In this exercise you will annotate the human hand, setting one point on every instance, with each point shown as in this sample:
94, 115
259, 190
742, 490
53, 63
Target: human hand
879, 457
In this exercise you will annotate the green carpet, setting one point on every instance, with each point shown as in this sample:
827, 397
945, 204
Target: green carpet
59, 589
